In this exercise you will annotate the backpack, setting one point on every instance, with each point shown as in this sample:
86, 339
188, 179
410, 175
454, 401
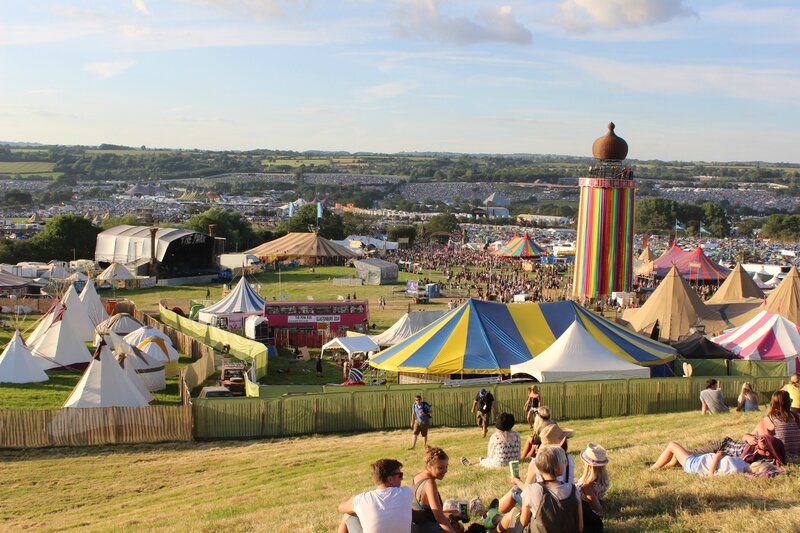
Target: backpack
554, 515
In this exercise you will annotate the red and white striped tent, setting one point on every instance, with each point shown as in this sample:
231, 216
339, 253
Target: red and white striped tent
767, 336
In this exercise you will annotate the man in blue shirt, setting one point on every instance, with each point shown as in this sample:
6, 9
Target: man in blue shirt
483, 404
421, 414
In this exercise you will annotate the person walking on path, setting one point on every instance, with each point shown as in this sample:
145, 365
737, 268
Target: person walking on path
421, 413
482, 408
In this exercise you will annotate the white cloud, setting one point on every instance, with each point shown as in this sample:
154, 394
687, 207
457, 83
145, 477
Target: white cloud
769, 85
109, 69
389, 90
140, 6
261, 9
423, 19
585, 15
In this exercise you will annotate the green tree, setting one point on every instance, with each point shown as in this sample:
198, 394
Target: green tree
655, 214
395, 233
443, 222
716, 219
111, 222
17, 197
331, 225
230, 225
65, 237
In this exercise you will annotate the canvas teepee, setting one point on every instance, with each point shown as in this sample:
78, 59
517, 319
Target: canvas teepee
738, 287
105, 384
92, 304
17, 364
59, 345
785, 299
82, 324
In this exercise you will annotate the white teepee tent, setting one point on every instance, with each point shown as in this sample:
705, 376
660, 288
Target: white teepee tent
577, 356
115, 272
78, 315
157, 345
45, 322
59, 345
148, 370
105, 384
17, 364
93, 305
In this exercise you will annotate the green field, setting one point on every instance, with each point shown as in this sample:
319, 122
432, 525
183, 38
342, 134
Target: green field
295, 484
25, 167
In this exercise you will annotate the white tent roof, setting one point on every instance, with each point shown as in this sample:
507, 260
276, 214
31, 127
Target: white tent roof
577, 356
78, 315
93, 305
126, 243
105, 384
408, 324
243, 299
59, 345
146, 339
351, 345
766, 336
147, 369
115, 272
17, 365
121, 324
44, 323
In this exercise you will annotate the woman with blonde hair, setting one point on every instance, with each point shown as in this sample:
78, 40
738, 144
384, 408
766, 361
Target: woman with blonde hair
748, 399
593, 484
428, 510
532, 403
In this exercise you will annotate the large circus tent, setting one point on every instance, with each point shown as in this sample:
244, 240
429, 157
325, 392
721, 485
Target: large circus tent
302, 246
520, 246
487, 338
766, 337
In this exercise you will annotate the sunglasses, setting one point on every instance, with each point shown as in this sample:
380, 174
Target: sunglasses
398, 474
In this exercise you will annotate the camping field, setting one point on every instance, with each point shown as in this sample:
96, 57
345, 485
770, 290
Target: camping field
295, 484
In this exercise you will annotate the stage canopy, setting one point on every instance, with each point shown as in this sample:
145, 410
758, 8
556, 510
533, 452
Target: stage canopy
487, 338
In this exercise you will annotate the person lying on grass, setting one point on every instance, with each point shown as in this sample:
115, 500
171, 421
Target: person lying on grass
751, 448
709, 464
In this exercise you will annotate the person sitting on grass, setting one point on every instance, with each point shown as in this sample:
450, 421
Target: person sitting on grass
428, 515
748, 399
709, 464
782, 423
386, 509
593, 483
548, 505
711, 399
503, 444
532, 443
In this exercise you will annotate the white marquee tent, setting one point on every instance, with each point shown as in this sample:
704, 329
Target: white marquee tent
408, 324
17, 364
577, 356
351, 345
243, 300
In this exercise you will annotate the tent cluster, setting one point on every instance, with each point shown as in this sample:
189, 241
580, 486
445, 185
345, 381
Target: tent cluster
490, 338
122, 371
692, 265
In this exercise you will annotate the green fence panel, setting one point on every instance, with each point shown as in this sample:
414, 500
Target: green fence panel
369, 410
766, 386
298, 415
222, 418
511, 398
758, 368
419, 387
708, 367
398, 409
614, 398
644, 397
584, 399
451, 406
332, 413
274, 391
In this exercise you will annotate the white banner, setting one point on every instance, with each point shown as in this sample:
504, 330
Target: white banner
298, 319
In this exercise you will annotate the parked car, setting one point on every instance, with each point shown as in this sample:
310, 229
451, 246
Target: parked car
231, 375
214, 392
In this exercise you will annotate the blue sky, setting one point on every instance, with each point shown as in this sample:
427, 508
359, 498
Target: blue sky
698, 80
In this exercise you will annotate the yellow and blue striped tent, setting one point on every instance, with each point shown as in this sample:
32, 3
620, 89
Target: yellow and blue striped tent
487, 338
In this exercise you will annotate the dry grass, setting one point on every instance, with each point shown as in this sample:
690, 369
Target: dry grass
295, 484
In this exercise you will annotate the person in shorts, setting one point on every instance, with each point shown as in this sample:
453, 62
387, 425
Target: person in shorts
421, 413
482, 407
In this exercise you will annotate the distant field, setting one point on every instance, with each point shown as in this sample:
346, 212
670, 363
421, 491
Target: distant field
133, 152
25, 167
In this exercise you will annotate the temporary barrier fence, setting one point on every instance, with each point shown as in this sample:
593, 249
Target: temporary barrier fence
372, 408
97, 426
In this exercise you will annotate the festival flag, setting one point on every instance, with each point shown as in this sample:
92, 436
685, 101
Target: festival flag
319, 209
291, 209
704, 231
679, 226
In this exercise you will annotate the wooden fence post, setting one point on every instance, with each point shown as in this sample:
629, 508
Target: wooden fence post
658, 396
600, 402
384, 411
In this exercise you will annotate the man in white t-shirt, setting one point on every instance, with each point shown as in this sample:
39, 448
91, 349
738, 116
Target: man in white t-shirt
386, 509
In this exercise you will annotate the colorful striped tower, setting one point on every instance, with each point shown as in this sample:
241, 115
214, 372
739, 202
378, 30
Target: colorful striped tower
604, 245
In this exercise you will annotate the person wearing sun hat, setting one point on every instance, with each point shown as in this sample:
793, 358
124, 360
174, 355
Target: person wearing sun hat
593, 483
554, 435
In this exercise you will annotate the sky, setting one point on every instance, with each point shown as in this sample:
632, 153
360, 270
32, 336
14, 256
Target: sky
689, 80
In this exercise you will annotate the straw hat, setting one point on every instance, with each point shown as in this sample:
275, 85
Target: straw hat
594, 455
553, 434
